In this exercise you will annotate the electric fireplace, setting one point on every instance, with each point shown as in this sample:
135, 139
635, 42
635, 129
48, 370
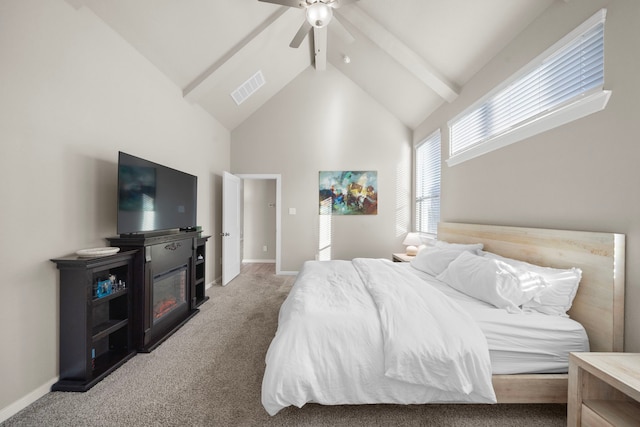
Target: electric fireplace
163, 292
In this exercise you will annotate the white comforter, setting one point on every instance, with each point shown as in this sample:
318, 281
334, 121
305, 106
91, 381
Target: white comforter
368, 332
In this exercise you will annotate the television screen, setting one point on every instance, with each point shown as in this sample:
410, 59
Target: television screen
152, 197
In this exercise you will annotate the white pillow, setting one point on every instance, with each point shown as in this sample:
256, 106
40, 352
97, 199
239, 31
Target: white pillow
556, 298
435, 259
488, 280
531, 284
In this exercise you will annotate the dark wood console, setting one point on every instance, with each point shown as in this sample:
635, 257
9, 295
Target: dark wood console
169, 283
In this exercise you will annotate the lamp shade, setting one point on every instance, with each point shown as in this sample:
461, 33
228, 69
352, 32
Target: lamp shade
412, 241
319, 14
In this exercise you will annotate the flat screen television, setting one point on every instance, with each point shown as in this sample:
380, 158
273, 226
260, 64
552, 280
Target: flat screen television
153, 198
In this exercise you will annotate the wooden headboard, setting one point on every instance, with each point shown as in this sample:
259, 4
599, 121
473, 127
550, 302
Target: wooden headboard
599, 303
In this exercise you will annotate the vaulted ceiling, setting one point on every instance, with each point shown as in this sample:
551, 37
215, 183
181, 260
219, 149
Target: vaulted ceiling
409, 55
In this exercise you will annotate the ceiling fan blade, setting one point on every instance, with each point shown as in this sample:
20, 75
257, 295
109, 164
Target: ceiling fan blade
339, 28
320, 48
339, 3
290, 3
301, 34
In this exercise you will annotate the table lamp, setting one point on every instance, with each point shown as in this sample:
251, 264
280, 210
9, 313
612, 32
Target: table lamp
412, 241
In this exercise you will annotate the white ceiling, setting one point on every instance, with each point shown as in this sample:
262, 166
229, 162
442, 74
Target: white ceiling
409, 55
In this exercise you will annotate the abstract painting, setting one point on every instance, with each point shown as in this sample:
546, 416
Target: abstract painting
348, 192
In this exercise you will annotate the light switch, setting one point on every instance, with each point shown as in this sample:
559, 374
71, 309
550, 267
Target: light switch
292, 211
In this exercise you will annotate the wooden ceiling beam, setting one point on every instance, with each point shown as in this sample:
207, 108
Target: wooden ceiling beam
395, 48
201, 84
320, 48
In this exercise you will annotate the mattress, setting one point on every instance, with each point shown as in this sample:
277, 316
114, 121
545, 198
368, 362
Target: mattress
524, 343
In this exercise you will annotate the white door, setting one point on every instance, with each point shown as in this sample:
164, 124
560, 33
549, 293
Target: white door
230, 227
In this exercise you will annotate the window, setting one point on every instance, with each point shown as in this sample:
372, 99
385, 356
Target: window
428, 154
561, 85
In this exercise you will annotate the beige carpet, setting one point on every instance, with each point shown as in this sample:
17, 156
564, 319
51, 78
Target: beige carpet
209, 373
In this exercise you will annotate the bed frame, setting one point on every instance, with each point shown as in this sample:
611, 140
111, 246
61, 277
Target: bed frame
598, 305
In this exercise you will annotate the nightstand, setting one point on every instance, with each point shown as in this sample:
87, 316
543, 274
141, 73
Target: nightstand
604, 389
402, 257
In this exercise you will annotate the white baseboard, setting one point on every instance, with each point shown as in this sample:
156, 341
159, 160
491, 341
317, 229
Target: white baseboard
287, 273
258, 261
20, 404
218, 280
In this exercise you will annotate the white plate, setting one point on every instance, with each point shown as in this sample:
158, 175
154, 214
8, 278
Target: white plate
95, 252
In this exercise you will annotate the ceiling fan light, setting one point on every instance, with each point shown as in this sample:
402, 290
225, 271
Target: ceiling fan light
319, 14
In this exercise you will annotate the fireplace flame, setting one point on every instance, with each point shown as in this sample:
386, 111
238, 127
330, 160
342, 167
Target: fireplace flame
163, 307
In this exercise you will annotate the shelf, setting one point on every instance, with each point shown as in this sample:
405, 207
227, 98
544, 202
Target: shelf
114, 295
91, 326
106, 361
104, 365
198, 289
104, 329
615, 412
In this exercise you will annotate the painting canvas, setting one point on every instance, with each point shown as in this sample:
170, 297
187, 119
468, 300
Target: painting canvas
349, 192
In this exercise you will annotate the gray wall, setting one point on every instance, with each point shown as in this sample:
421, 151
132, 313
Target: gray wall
259, 225
581, 176
73, 94
323, 121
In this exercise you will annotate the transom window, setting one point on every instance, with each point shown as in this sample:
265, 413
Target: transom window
561, 85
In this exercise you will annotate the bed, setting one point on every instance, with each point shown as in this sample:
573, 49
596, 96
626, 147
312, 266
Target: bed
345, 353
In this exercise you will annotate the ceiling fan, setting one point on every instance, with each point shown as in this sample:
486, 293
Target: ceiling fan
319, 13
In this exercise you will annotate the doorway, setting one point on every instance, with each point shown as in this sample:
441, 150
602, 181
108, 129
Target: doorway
261, 218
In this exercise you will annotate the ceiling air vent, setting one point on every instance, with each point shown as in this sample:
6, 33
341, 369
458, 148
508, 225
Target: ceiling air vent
248, 88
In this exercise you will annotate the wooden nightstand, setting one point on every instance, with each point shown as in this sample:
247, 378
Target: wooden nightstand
402, 257
604, 389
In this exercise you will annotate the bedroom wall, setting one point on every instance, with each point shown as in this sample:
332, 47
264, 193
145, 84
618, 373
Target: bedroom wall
323, 121
259, 225
581, 176
73, 94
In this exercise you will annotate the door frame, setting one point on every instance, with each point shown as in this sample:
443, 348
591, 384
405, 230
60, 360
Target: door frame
278, 179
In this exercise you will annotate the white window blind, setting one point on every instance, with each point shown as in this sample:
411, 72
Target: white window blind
567, 72
428, 161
